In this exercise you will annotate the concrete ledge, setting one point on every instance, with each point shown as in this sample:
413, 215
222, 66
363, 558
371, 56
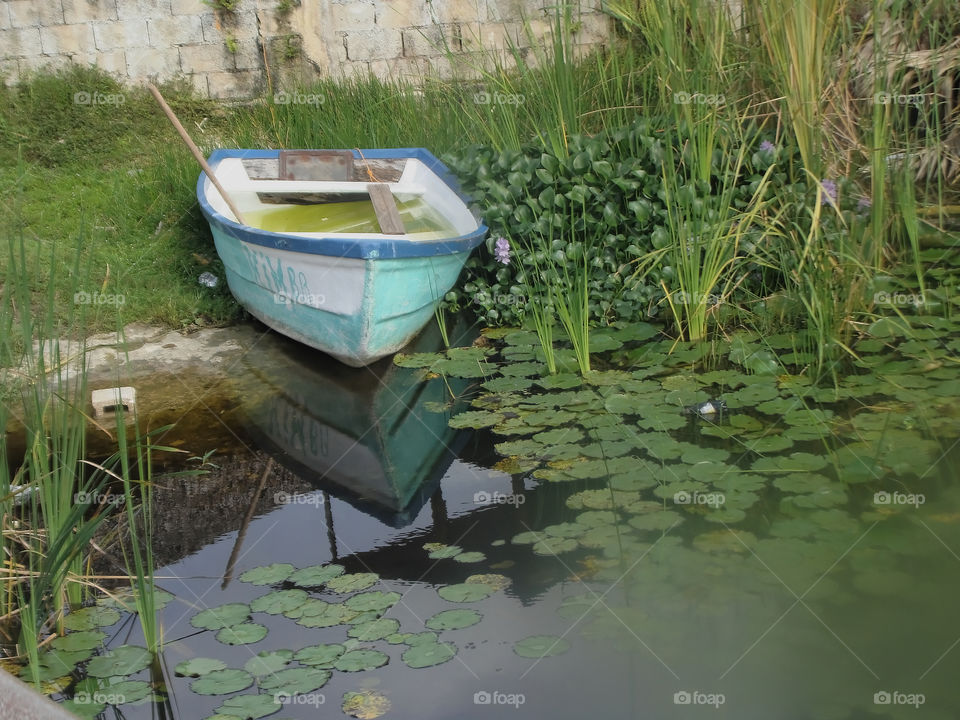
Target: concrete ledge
18, 700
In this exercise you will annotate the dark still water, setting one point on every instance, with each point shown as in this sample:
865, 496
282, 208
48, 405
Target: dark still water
604, 595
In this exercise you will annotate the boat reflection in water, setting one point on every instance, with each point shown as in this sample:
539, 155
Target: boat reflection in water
362, 434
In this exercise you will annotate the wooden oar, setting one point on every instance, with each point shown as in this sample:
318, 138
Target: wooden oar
195, 150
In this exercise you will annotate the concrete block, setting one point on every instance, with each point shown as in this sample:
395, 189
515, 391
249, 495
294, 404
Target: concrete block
31, 13
21, 42
271, 24
374, 44
401, 69
152, 63
399, 14
134, 9
190, 7
119, 35
357, 15
199, 83
168, 32
4, 17
112, 61
213, 57
234, 84
238, 25
456, 11
247, 55
83, 11
45, 63
490, 36
594, 29
66, 39
431, 40
112, 401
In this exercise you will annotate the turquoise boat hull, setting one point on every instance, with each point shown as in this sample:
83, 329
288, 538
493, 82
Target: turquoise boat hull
356, 297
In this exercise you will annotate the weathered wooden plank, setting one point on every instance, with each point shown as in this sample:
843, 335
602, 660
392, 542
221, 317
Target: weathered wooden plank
316, 165
385, 206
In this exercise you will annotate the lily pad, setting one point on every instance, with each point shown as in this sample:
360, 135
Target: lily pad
55, 664
327, 615
279, 602
295, 681
316, 575
268, 574
494, 580
123, 660
453, 619
267, 662
375, 600
249, 707
538, 646
374, 629
91, 617
440, 551
320, 655
465, 592
428, 654
128, 691
475, 419
221, 616
352, 582
470, 557
82, 640
362, 659
555, 546
222, 682
242, 634
365, 705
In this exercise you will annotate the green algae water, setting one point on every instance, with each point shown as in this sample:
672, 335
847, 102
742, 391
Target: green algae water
356, 216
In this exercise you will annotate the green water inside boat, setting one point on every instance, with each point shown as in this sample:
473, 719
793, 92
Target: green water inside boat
357, 216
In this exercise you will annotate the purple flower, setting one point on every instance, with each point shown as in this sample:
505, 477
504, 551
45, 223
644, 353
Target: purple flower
864, 204
501, 250
829, 192
767, 146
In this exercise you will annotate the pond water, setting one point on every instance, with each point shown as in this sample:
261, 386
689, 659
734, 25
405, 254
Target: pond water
795, 556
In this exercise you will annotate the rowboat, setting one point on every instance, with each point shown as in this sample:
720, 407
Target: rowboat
346, 251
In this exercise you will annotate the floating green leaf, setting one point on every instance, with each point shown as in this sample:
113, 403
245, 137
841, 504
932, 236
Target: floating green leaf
428, 654
295, 681
316, 575
242, 634
91, 617
362, 659
222, 682
267, 662
82, 640
439, 551
327, 615
249, 707
122, 660
221, 616
320, 655
279, 602
352, 582
453, 619
538, 646
375, 600
470, 557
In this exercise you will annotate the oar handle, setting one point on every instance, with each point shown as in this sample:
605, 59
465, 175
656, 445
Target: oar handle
195, 150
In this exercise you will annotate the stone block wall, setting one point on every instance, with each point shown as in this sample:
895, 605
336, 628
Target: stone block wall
233, 52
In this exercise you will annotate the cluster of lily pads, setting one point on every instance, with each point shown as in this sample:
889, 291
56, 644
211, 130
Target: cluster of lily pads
275, 676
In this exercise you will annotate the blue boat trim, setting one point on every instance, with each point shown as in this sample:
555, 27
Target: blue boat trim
366, 248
